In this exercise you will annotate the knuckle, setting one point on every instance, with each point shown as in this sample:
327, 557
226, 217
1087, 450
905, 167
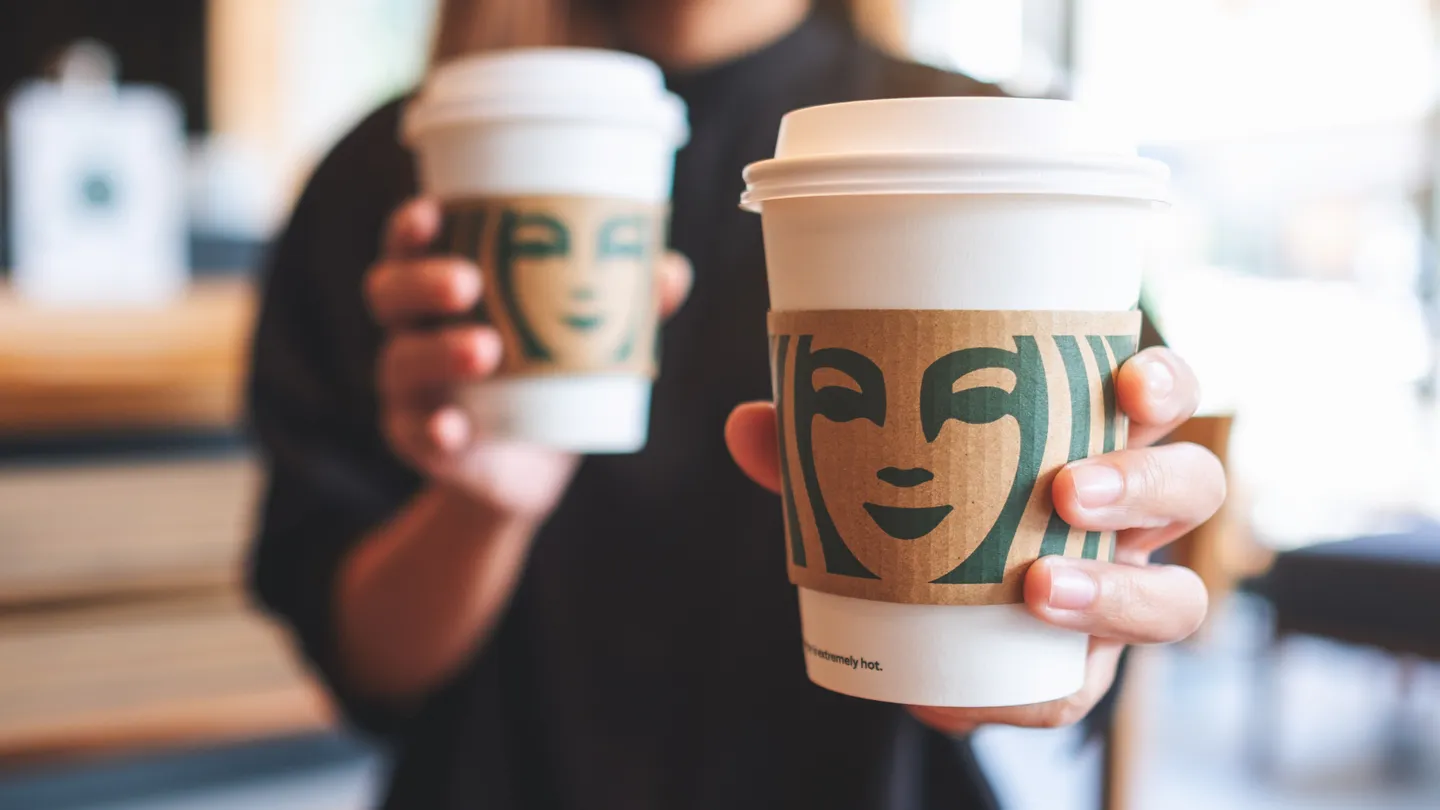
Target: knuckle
1133, 605
1150, 475
1163, 604
1121, 597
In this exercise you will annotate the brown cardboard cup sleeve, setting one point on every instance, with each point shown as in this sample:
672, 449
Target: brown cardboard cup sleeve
918, 446
569, 281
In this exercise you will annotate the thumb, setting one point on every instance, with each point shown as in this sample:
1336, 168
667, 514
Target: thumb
750, 435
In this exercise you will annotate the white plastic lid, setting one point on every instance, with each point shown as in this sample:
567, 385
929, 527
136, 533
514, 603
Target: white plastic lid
952, 146
569, 84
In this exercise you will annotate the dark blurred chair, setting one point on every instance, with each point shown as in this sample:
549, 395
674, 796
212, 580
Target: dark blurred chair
1381, 591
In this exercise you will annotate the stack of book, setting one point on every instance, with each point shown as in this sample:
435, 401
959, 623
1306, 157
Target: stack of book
123, 617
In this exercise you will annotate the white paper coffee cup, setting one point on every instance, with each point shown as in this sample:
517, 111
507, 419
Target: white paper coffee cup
544, 133
950, 204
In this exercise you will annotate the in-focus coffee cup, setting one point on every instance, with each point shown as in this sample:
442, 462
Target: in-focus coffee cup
953, 284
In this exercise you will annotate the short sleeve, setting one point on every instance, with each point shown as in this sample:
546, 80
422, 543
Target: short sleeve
329, 477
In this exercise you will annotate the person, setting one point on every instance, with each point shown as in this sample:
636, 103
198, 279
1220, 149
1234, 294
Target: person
534, 630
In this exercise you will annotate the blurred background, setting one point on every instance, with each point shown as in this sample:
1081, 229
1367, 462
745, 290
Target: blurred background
1298, 275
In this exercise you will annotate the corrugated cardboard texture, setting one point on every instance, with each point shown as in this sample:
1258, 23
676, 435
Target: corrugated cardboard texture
918, 447
569, 281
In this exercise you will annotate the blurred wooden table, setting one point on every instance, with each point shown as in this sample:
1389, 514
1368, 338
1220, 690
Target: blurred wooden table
75, 370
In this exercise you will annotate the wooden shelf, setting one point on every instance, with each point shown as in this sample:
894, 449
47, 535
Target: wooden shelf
87, 369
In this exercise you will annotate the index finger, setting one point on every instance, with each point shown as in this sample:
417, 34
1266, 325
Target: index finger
412, 227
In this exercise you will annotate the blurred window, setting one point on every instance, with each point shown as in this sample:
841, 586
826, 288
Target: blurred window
982, 38
289, 79
1295, 272
1023, 45
348, 56
1194, 69
1297, 132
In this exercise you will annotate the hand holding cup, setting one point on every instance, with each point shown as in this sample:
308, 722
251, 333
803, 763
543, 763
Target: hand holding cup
954, 287
1150, 495
420, 371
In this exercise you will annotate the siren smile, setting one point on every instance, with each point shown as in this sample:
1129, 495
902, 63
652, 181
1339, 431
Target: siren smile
908, 522
582, 322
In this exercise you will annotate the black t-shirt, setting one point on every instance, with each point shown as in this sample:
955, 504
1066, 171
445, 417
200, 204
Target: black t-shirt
651, 656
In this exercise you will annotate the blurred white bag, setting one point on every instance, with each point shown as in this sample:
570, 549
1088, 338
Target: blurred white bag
97, 187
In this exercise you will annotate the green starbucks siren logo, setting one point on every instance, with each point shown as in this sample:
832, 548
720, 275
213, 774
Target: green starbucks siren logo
886, 443
569, 281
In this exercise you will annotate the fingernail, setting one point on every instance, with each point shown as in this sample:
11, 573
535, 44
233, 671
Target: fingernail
1096, 484
467, 286
1159, 379
451, 429
490, 350
1071, 588
481, 352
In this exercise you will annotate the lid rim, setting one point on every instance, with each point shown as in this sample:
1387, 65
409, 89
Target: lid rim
560, 83
1092, 161
1074, 174
667, 117
438, 117
753, 204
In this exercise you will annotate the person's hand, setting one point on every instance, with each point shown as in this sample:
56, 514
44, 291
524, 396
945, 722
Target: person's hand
419, 370
1150, 495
